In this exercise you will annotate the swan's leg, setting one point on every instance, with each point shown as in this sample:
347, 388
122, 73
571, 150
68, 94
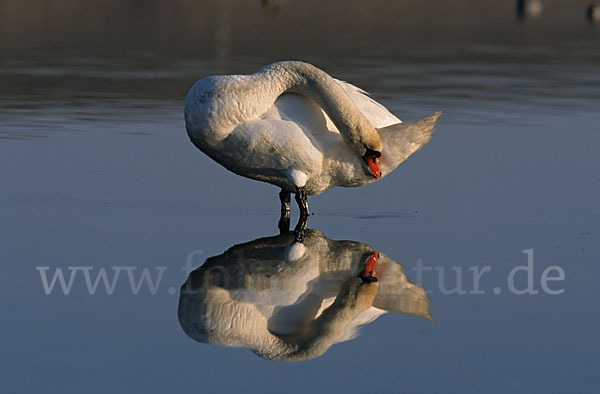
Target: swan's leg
284, 219
303, 220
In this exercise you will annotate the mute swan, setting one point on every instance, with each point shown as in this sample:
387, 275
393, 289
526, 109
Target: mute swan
294, 126
292, 301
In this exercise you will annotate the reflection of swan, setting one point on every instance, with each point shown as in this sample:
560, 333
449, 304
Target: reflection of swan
292, 301
329, 133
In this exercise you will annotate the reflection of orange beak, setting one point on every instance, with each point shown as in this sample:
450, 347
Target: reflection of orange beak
373, 163
368, 274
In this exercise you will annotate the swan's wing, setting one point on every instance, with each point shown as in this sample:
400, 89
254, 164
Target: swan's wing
378, 115
301, 111
269, 147
396, 293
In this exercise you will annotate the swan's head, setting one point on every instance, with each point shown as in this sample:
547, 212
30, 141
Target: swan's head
371, 158
369, 147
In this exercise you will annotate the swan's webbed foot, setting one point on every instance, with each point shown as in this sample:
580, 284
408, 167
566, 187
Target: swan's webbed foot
304, 213
284, 219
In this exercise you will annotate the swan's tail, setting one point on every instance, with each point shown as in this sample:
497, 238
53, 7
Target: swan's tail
403, 139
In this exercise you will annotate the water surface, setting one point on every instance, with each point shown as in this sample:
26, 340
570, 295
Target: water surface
97, 171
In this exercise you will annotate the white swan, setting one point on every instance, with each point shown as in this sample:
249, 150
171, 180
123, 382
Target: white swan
292, 301
294, 126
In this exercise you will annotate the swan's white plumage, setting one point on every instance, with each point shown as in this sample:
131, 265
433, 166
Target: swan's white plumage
301, 111
377, 114
292, 125
294, 251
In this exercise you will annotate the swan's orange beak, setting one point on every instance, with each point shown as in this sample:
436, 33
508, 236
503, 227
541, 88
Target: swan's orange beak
373, 163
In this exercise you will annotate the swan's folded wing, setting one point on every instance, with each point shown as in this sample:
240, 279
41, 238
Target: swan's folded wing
301, 111
378, 115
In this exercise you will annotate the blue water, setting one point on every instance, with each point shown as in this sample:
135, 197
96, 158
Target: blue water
97, 171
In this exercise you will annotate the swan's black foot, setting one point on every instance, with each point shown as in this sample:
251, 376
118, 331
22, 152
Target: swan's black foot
304, 213
284, 219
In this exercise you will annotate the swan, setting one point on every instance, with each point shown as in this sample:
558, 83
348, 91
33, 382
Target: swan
294, 126
292, 301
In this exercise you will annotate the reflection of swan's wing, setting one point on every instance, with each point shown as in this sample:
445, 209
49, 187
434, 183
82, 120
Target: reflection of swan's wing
396, 293
211, 316
257, 272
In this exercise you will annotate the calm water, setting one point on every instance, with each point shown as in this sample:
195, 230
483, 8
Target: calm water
97, 171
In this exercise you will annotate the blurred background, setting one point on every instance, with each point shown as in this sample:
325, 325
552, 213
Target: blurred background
149, 38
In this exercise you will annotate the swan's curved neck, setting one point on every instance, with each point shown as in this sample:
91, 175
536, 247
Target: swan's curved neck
308, 80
